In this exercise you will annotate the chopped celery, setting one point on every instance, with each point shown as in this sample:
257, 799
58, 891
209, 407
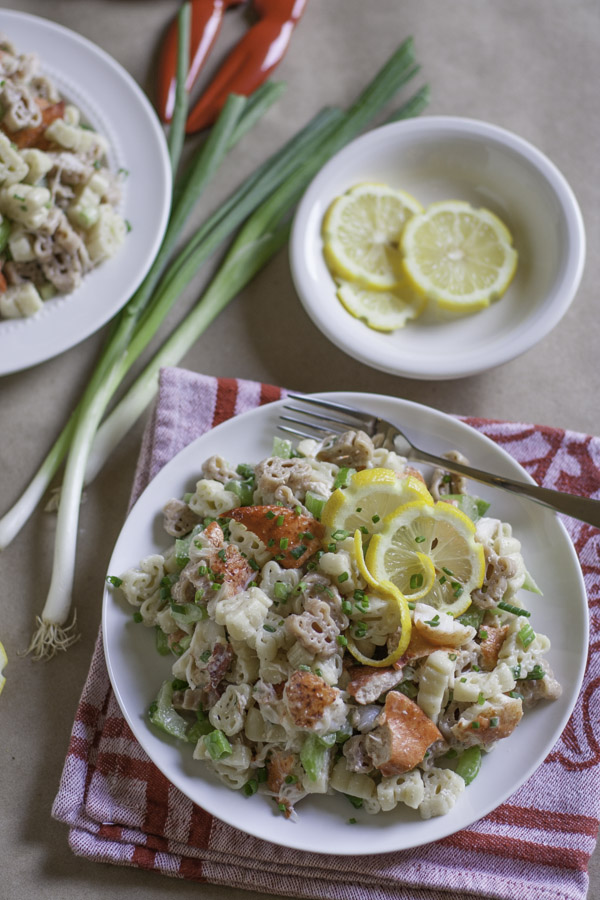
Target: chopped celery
473, 507
472, 617
163, 716
344, 733
217, 744
468, 764
314, 504
162, 642
243, 489
200, 727
182, 552
313, 756
282, 448
245, 470
530, 585
187, 613
327, 740
343, 477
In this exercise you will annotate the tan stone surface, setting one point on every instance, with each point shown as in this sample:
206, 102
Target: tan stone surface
531, 67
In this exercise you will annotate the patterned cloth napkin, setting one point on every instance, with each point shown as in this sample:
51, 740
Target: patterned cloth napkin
120, 808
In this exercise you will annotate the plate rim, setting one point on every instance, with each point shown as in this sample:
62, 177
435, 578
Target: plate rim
27, 353
139, 727
514, 344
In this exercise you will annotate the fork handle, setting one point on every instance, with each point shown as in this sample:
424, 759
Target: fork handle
581, 508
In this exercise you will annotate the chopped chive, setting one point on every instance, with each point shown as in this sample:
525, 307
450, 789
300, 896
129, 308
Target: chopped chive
411, 604
526, 635
114, 580
283, 543
343, 577
352, 821
355, 801
271, 542
138, 617
304, 668
442, 579
253, 564
476, 668
433, 622
298, 510
270, 514
474, 724
494, 722
515, 610
340, 534
298, 551
463, 679
269, 628
346, 607
452, 656
480, 699
331, 548
420, 538
446, 479
448, 572
364, 530
280, 521
342, 640
515, 695
282, 807
202, 570
416, 581
262, 775
375, 518
319, 673
516, 670
360, 629
291, 779
536, 674
359, 595
451, 753
483, 634
362, 605
250, 787
307, 536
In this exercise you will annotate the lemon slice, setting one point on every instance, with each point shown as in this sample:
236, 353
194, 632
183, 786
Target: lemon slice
418, 577
361, 232
382, 310
459, 256
444, 534
389, 592
371, 496
3, 661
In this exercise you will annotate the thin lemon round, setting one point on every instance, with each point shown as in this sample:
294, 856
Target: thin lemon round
361, 234
419, 580
3, 662
371, 496
384, 311
458, 256
446, 536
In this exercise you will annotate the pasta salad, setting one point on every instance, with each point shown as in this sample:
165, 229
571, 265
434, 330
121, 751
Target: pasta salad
58, 197
372, 660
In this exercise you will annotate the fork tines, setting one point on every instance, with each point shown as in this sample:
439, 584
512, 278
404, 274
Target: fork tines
334, 424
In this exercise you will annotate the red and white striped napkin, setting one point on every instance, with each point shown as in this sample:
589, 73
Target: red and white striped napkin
536, 846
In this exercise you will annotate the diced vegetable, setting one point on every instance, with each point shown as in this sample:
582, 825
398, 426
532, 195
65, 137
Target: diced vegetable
469, 764
163, 716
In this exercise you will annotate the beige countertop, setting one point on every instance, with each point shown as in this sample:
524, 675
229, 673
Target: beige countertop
530, 67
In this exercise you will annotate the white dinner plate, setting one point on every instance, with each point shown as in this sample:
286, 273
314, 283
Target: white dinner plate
137, 671
116, 107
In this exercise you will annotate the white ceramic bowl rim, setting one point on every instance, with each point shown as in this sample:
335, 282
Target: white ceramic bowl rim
543, 320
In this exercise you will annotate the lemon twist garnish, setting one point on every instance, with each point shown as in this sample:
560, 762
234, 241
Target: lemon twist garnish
390, 592
3, 662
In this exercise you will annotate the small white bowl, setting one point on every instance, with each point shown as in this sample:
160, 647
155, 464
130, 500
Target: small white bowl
448, 158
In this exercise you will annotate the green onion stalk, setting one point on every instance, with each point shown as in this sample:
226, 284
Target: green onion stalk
266, 201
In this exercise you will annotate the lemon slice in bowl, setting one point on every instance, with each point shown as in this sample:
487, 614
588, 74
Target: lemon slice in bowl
446, 536
361, 233
371, 496
3, 661
382, 310
459, 256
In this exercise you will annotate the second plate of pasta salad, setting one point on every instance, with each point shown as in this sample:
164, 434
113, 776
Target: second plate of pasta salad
343, 639
78, 225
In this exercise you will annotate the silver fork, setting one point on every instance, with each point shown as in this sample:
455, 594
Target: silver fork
347, 417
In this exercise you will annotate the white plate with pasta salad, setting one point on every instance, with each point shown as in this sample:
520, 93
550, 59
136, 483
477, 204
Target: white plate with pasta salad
271, 683
85, 189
